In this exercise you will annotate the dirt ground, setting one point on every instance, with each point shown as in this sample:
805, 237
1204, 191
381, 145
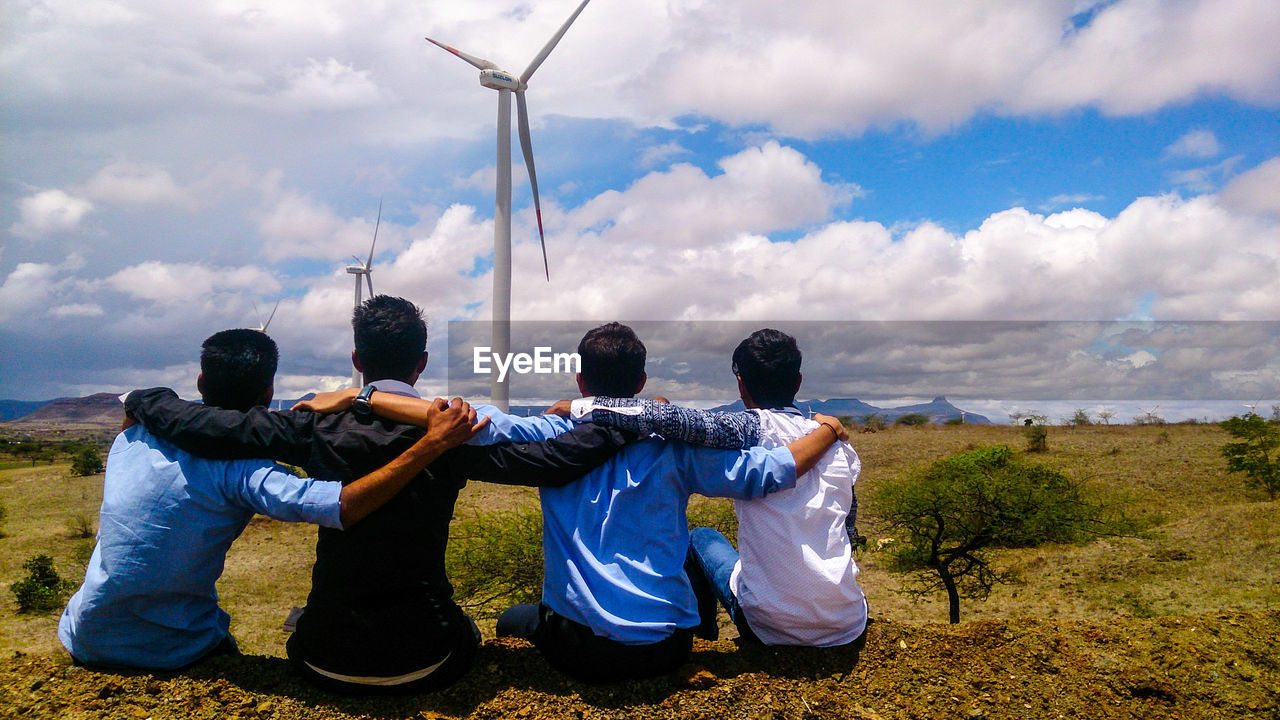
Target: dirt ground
1212, 666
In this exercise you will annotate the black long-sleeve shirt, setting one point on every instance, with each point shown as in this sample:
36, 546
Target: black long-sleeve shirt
396, 551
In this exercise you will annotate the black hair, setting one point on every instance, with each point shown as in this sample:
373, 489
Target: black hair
390, 337
612, 360
237, 367
769, 364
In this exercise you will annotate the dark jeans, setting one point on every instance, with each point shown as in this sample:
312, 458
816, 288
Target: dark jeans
710, 565
575, 650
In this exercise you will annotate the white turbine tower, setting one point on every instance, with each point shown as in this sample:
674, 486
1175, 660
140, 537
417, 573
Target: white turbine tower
364, 269
491, 76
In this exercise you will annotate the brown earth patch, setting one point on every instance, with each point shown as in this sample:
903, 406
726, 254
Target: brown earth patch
1212, 666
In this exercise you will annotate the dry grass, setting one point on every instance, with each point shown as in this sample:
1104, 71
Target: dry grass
1217, 549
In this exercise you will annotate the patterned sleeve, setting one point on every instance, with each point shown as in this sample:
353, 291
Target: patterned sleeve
722, 430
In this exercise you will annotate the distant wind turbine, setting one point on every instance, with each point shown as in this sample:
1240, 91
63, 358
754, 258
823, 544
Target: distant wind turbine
365, 269
491, 76
1254, 407
262, 326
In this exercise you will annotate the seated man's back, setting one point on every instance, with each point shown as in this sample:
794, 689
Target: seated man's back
796, 579
615, 541
167, 521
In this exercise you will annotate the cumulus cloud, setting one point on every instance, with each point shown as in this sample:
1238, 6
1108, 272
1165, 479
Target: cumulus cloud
297, 226
1256, 191
128, 183
330, 84
1196, 144
696, 247
48, 212
169, 283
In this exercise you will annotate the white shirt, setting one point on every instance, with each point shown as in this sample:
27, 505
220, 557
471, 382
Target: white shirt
796, 579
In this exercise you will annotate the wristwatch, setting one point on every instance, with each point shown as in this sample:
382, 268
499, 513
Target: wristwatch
360, 405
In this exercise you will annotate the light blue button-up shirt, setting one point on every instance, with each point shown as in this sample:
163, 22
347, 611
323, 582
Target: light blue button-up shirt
168, 518
614, 542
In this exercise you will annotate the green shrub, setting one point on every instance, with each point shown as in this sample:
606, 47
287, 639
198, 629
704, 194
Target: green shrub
1037, 438
88, 461
872, 423
42, 589
950, 516
495, 560
1255, 452
912, 419
80, 526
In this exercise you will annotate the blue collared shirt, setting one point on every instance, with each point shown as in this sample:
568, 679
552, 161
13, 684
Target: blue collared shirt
168, 518
614, 542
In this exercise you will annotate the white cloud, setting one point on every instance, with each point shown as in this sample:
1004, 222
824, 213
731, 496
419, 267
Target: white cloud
77, 310
1196, 144
127, 183
168, 283
298, 226
695, 247
48, 212
659, 154
330, 84
1256, 191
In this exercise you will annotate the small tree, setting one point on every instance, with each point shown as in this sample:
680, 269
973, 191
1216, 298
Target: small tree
949, 517
1081, 417
912, 419
872, 423
1037, 438
86, 462
1106, 415
1254, 453
42, 589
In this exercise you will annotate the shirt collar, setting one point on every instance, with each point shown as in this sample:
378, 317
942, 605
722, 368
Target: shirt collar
788, 410
395, 387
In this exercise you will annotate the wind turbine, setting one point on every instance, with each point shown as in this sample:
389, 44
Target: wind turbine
365, 269
262, 326
494, 78
1253, 409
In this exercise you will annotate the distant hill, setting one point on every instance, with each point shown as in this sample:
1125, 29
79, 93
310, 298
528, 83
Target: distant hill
14, 409
97, 410
939, 410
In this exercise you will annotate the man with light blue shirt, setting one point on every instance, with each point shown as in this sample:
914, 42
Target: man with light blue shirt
616, 602
149, 599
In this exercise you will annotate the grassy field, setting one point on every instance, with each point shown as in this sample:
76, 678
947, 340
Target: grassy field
1216, 548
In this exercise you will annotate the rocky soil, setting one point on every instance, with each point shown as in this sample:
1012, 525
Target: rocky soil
1212, 666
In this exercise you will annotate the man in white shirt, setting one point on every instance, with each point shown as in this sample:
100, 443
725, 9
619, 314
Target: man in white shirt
793, 580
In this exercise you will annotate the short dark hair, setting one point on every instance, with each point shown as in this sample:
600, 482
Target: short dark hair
237, 367
390, 337
612, 360
769, 364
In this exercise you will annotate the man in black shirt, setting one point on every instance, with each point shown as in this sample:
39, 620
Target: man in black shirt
380, 615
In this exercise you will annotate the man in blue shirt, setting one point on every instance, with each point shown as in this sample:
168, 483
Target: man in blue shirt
168, 518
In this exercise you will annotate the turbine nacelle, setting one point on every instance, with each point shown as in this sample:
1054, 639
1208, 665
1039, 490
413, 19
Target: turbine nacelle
501, 80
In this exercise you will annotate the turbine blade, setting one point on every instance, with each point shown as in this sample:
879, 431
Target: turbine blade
369, 263
267, 324
353, 257
526, 146
478, 63
551, 44
369, 279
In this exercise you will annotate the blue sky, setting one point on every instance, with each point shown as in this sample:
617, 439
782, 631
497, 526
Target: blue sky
163, 169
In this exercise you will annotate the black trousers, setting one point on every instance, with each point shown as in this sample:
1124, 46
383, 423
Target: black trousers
575, 650
400, 648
